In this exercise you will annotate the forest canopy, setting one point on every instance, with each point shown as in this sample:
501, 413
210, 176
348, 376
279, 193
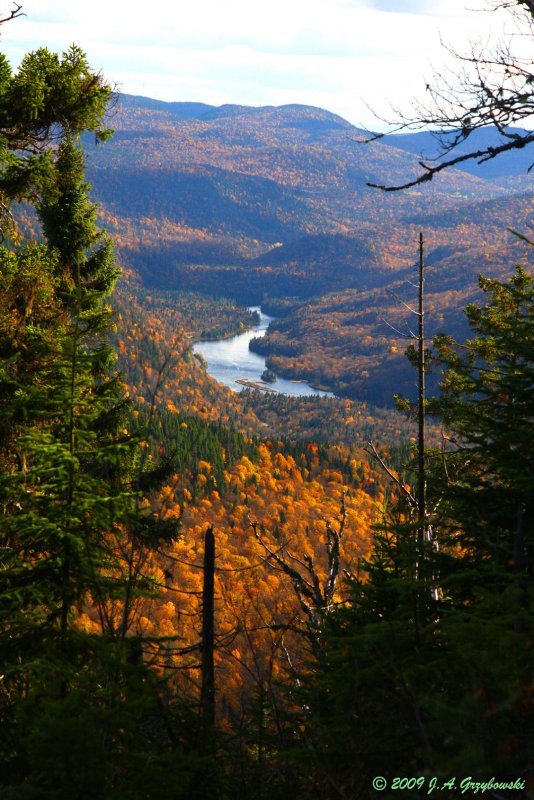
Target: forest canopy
191, 611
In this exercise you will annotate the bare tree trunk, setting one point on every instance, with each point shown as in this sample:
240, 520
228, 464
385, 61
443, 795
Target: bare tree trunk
207, 692
421, 412
207, 778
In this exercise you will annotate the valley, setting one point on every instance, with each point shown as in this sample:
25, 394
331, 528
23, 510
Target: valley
271, 206
233, 363
230, 566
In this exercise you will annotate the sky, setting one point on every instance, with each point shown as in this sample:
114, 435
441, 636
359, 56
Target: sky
341, 55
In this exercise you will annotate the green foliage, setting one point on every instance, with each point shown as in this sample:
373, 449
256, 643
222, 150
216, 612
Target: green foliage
63, 486
48, 91
48, 97
439, 632
110, 735
31, 319
185, 440
488, 404
269, 376
85, 253
427, 669
203, 317
74, 704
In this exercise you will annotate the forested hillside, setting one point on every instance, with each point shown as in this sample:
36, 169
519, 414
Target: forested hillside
264, 203
427, 145
273, 200
233, 596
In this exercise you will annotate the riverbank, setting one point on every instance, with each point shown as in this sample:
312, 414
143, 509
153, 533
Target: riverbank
232, 363
255, 385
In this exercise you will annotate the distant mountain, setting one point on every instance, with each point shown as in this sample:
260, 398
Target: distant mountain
426, 145
271, 204
250, 201
181, 109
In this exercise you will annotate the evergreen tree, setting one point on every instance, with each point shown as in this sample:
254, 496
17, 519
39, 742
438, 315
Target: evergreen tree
72, 699
65, 502
85, 253
30, 321
488, 405
47, 97
82, 713
429, 671
487, 535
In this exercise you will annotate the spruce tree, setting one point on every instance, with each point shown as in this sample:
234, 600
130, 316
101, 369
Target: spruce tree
487, 403
81, 712
487, 406
72, 698
431, 674
65, 501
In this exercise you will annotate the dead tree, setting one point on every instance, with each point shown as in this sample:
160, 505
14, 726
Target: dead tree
420, 514
493, 86
315, 595
416, 352
207, 691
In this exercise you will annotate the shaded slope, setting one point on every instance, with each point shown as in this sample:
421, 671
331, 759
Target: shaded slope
274, 198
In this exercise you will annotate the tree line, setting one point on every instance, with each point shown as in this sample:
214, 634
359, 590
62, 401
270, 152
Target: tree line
416, 664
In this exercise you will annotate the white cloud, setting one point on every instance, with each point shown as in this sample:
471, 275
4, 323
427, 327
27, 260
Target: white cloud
329, 53
434, 8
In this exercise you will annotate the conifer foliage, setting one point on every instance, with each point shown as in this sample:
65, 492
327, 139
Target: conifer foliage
440, 632
420, 665
72, 520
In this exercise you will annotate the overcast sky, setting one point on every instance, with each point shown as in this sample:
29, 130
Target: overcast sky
336, 54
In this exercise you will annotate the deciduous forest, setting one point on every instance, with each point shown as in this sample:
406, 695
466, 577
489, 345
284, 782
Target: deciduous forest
217, 594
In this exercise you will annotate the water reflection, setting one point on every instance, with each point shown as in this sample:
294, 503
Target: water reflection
230, 360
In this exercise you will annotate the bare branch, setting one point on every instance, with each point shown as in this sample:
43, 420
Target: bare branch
409, 335
315, 596
482, 155
302, 587
399, 484
13, 14
493, 86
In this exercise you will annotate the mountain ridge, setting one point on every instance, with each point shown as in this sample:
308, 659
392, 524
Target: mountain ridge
244, 179
258, 203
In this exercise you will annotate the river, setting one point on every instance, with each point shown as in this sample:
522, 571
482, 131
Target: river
230, 360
